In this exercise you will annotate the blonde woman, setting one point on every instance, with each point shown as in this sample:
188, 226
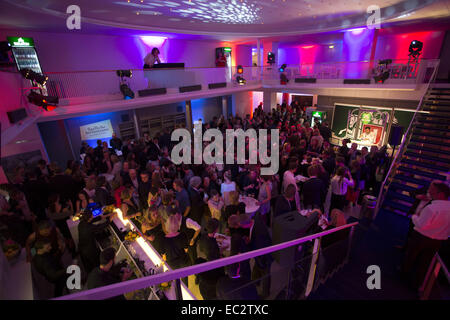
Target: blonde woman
227, 186
175, 244
152, 227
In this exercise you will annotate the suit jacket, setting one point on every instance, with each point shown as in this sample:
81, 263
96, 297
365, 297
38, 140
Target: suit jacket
314, 192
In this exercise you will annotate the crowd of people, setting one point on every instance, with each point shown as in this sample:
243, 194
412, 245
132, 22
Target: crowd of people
184, 209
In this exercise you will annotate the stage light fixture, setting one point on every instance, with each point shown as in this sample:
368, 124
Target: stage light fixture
282, 68
381, 78
385, 62
283, 79
240, 69
415, 49
41, 100
241, 81
33, 76
271, 58
124, 73
126, 91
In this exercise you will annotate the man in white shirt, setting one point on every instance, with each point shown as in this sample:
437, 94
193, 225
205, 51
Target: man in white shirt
431, 228
369, 135
289, 178
151, 58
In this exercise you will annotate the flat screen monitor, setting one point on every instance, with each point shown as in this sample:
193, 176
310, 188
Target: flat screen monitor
95, 208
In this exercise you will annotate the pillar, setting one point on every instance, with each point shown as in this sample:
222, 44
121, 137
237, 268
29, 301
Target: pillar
189, 115
224, 107
269, 100
270, 46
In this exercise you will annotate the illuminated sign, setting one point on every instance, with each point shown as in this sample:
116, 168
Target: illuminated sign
366, 117
317, 114
227, 49
20, 42
97, 130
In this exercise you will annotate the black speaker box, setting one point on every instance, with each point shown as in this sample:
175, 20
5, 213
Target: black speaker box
191, 88
217, 85
17, 115
396, 134
152, 92
356, 81
290, 226
305, 80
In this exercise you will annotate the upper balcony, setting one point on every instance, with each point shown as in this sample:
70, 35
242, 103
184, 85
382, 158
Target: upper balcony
82, 92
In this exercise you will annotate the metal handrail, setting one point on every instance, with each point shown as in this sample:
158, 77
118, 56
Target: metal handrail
233, 66
145, 282
405, 141
432, 273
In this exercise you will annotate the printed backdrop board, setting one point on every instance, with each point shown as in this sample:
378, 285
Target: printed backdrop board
96, 131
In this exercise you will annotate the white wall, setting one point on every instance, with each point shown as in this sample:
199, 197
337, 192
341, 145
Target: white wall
59, 52
242, 103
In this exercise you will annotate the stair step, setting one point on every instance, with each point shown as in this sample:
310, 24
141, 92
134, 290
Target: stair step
446, 118
438, 93
424, 156
431, 128
438, 99
439, 109
439, 123
439, 89
425, 165
422, 173
436, 104
412, 180
436, 143
422, 134
404, 187
415, 147
396, 205
400, 196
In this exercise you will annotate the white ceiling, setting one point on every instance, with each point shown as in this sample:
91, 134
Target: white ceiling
226, 19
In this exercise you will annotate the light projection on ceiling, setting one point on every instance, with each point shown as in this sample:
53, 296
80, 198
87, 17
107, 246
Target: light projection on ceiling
219, 11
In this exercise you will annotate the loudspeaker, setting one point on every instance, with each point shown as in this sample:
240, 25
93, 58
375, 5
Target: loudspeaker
217, 85
152, 92
305, 80
396, 134
125, 117
191, 88
17, 115
356, 81
290, 226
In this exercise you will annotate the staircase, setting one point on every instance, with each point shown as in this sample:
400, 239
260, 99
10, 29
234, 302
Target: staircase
426, 156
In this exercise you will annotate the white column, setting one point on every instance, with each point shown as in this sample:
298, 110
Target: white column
269, 100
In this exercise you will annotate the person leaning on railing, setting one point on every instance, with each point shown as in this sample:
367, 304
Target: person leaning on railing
431, 228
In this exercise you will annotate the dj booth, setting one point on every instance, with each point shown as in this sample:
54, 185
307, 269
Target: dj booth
174, 75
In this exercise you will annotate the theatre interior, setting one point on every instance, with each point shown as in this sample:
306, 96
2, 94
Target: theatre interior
347, 102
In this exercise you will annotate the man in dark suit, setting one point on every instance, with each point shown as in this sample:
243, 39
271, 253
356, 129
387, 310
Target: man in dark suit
325, 131
260, 238
286, 202
144, 189
36, 193
314, 190
63, 185
49, 266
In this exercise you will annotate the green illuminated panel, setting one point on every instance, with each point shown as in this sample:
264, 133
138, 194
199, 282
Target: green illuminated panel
20, 42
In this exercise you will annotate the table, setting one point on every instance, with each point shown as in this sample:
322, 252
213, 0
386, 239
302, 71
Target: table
251, 204
140, 248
